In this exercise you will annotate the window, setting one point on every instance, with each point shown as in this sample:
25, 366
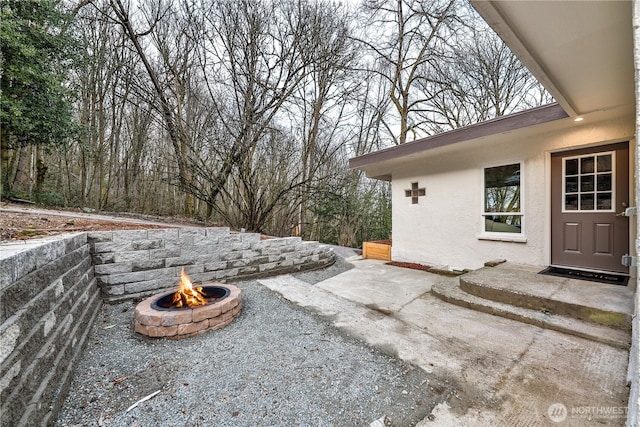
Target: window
588, 183
502, 204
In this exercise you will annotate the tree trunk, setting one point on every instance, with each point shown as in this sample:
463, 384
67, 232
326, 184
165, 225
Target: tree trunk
41, 170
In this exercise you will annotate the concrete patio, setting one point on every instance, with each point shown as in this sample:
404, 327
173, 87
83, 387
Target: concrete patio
503, 371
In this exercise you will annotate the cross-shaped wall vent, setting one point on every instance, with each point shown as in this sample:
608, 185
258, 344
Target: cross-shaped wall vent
414, 193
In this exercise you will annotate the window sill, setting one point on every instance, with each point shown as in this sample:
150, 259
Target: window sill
503, 238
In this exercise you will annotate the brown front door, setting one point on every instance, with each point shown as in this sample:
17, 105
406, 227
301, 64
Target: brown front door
589, 188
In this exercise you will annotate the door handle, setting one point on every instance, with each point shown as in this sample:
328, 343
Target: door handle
627, 212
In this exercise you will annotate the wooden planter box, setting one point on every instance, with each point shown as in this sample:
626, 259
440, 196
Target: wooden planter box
380, 249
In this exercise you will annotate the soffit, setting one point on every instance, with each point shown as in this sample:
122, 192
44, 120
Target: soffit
581, 51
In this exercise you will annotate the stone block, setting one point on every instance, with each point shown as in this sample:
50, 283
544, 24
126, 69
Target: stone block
238, 263
24, 263
9, 377
49, 252
271, 251
215, 266
241, 245
177, 317
119, 267
217, 232
171, 275
285, 263
230, 256
134, 256
207, 258
110, 291
129, 235
148, 244
233, 238
123, 278
75, 241
194, 269
153, 264
146, 285
247, 270
104, 258
196, 251
250, 237
192, 231
193, 327
9, 335
221, 274
207, 276
179, 261
250, 254
165, 234
7, 272
206, 312
260, 260
190, 236
268, 266
115, 246
99, 236
164, 253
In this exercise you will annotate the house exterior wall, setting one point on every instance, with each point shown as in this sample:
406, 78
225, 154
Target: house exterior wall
444, 228
633, 372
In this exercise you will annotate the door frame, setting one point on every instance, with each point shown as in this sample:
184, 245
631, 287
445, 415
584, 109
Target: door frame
548, 193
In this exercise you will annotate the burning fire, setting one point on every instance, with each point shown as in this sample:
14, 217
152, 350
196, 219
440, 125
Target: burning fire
187, 295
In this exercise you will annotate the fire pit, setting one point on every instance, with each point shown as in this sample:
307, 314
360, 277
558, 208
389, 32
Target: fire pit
189, 311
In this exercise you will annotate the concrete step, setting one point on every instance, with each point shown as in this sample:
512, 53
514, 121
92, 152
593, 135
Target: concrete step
604, 304
453, 293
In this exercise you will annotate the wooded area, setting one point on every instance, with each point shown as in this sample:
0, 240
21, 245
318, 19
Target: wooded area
242, 113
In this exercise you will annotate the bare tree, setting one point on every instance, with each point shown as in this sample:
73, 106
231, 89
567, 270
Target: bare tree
155, 15
414, 33
481, 79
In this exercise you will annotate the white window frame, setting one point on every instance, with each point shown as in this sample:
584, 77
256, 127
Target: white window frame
497, 235
595, 201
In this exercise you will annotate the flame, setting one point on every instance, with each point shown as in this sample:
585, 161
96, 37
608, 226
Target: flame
187, 294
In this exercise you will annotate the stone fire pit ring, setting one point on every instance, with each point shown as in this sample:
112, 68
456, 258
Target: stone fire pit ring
188, 321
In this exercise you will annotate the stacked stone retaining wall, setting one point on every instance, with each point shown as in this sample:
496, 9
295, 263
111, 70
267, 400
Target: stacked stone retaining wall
138, 263
48, 302
51, 291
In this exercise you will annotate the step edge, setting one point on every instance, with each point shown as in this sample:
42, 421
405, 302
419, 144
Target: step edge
503, 310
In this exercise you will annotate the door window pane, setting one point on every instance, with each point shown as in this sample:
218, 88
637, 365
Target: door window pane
571, 202
571, 185
586, 183
586, 202
586, 165
604, 201
589, 182
604, 182
604, 163
571, 167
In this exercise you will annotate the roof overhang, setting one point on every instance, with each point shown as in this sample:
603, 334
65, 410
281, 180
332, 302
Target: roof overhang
503, 124
581, 51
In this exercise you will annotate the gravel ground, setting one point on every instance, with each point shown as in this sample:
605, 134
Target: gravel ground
277, 365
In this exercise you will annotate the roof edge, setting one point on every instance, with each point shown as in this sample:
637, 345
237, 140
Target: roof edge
521, 119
